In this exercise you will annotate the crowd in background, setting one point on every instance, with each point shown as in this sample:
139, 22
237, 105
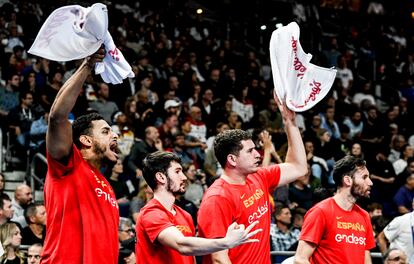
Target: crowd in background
192, 82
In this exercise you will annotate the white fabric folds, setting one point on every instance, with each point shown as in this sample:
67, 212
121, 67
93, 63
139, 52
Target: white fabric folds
297, 81
74, 32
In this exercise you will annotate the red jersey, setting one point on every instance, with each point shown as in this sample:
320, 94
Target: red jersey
82, 214
225, 203
341, 236
153, 219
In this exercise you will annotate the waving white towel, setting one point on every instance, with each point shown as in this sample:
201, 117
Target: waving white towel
301, 83
74, 32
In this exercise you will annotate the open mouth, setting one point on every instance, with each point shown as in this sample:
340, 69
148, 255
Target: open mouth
114, 148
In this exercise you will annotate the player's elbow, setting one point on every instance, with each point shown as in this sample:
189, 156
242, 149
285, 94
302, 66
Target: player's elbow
185, 250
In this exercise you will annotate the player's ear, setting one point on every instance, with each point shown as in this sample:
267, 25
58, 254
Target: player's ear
347, 180
231, 159
160, 177
85, 140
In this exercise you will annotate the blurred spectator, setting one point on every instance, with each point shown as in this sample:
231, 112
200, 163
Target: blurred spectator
282, 237
2, 183
397, 142
125, 133
198, 126
145, 194
49, 93
22, 198
196, 183
141, 148
270, 118
403, 199
374, 209
355, 124
35, 232
103, 105
344, 74
34, 253
9, 96
120, 188
11, 239
6, 209
407, 151
300, 192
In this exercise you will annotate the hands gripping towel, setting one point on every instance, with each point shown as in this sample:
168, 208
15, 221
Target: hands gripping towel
74, 32
299, 82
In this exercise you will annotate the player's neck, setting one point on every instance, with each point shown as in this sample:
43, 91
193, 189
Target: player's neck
233, 178
167, 199
344, 199
91, 158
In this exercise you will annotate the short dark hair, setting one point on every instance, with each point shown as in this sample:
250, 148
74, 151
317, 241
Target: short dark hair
374, 206
3, 197
30, 211
279, 207
158, 161
348, 165
229, 142
82, 126
23, 95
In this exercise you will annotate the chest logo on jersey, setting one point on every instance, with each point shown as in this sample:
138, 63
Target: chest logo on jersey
256, 215
107, 197
184, 229
250, 200
350, 226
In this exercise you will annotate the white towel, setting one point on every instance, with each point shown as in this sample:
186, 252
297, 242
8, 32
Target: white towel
297, 81
74, 32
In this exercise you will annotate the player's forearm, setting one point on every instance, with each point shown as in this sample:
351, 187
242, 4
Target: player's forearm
296, 154
196, 246
68, 94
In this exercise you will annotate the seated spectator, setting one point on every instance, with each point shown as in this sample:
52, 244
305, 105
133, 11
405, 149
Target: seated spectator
196, 183
22, 198
355, 124
34, 253
35, 232
300, 192
6, 209
270, 118
125, 133
9, 96
319, 167
198, 127
21, 118
103, 105
38, 133
168, 129
329, 123
282, 237
234, 121
181, 150
10, 238
126, 237
403, 199
141, 148
397, 142
120, 188
374, 209
145, 194
407, 151
356, 150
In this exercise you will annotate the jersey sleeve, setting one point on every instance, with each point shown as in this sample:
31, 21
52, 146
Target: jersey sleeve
214, 216
57, 169
153, 222
271, 175
392, 230
313, 226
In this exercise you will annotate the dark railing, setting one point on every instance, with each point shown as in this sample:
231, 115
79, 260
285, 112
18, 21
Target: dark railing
34, 177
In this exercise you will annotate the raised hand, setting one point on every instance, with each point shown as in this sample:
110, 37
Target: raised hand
287, 114
98, 56
237, 234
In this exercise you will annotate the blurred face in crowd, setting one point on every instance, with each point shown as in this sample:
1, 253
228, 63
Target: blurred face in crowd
396, 256
33, 254
7, 209
284, 217
40, 217
24, 195
356, 149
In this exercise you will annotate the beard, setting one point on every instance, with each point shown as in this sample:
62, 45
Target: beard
100, 151
170, 187
358, 191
